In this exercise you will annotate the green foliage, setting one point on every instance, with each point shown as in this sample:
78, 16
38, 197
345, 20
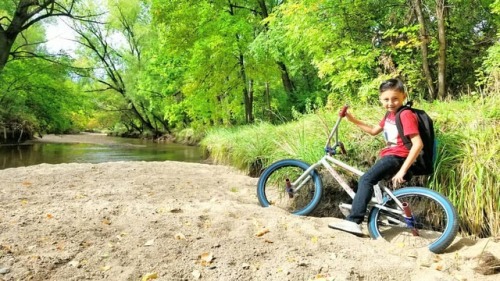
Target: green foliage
489, 75
32, 91
179, 64
196, 62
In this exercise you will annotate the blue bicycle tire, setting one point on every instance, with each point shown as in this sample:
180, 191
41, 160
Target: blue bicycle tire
265, 188
435, 218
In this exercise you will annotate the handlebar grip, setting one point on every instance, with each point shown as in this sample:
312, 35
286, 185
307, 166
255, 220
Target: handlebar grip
343, 111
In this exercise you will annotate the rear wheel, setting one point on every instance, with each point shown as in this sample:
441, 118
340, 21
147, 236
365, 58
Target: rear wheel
272, 190
435, 220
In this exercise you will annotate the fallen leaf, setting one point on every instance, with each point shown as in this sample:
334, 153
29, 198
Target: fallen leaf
149, 276
4, 270
26, 183
320, 277
180, 236
80, 196
314, 239
206, 258
262, 232
49, 216
196, 274
105, 268
176, 210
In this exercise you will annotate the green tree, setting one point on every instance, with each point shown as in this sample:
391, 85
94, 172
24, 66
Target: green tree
18, 16
113, 53
36, 96
211, 39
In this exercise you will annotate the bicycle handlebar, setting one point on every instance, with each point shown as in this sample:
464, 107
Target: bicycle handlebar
328, 148
343, 112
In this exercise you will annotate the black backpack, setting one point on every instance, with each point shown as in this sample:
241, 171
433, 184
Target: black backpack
424, 164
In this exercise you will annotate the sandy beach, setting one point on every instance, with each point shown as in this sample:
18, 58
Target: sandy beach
186, 221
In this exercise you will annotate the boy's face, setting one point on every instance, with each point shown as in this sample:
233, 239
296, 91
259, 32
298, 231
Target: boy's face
392, 100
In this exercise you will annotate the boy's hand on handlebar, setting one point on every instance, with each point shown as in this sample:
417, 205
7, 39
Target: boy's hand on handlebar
343, 111
348, 116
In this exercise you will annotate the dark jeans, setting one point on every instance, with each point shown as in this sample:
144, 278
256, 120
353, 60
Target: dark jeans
384, 167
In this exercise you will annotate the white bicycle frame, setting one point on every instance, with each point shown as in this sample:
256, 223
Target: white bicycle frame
329, 163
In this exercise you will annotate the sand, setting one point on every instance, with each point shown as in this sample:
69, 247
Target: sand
187, 221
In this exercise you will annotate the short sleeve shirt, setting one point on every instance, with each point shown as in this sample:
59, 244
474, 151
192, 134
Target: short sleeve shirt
394, 143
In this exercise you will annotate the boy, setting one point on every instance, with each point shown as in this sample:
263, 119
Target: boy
395, 158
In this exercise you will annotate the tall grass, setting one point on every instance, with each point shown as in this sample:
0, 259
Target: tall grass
467, 170
467, 164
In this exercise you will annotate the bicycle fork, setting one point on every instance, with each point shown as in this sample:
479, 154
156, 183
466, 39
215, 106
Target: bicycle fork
410, 220
288, 188
405, 206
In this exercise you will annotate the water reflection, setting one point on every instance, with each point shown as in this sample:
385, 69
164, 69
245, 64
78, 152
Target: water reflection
119, 150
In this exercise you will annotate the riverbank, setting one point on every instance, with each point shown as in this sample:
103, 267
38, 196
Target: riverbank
95, 138
188, 221
95, 148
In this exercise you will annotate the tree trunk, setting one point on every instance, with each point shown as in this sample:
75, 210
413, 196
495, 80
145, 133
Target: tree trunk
28, 13
424, 41
268, 102
249, 104
440, 15
285, 77
246, 92
16, 26
5, 47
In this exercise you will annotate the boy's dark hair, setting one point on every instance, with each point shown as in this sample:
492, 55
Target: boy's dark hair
392, 84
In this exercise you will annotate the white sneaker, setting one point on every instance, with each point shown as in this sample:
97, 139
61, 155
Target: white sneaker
348, 226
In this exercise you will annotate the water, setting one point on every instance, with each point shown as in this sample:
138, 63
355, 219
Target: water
101, 149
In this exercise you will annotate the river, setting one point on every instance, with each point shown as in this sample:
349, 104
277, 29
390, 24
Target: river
94, 148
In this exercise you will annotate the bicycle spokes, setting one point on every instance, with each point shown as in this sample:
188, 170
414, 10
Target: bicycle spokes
425, 219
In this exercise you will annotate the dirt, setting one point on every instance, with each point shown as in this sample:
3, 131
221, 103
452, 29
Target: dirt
187, 221
184, 221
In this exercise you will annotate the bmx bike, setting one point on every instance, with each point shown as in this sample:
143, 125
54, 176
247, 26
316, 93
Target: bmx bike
413, 217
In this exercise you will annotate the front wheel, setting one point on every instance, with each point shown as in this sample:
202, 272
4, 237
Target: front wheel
272, 187
434, 220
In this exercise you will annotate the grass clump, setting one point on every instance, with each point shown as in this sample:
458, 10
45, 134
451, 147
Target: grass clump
467, 170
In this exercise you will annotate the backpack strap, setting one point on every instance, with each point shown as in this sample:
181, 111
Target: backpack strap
406, 140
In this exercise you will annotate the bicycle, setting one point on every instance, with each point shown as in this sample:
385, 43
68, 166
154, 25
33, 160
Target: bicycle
409, 216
